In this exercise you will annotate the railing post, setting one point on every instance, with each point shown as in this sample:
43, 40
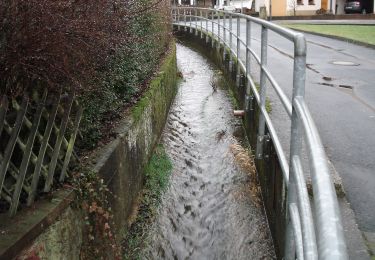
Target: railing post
295, 144
200, 18
248, 99
212, 30
224, 34
207, 27
238, 51
218, 29
178, 19
196, 21
262, 123
190, 18
185, 28
230, 43
248, 45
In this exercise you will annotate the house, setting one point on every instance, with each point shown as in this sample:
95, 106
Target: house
219, 4
238, 4
290, 7
303, 7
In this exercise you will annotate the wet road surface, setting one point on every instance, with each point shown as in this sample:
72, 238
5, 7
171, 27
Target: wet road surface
209, 210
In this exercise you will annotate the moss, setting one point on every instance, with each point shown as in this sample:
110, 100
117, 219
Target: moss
233, 99
268, 102
157, 174
167, 73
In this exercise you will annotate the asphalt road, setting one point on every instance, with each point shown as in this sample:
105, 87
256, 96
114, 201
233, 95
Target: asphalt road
342, 102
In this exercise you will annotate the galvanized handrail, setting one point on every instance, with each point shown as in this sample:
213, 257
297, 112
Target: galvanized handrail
301, 241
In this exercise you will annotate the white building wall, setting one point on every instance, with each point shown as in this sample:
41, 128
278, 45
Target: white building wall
259, 3
303, 8
242, 3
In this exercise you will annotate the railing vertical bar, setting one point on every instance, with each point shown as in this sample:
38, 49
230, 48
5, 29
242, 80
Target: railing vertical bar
196, 21
56, 150
262, 123
201, 20
238, 51
212, 29
42, 150
12, 140
238, 37
207, 37
230, 34
185, 23
295, 136
248, 46
71, 144
26, 156
248, 98
297, 232
307, 222
224, 28
177, 19
190, 21
218, 29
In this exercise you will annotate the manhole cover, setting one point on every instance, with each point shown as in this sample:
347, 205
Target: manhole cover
344, 63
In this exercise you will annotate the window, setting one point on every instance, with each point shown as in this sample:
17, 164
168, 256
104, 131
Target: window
311, 2
299, 2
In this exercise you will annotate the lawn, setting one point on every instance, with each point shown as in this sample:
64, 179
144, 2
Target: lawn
361, 33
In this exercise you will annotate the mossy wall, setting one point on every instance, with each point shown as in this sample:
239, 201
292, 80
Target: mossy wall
121, 164
269, 171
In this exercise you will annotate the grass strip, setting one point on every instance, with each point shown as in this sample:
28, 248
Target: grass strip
360, 33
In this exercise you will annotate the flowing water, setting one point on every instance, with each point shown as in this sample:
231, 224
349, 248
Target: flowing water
208, 211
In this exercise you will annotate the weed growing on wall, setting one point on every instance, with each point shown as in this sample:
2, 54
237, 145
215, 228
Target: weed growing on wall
93, 197
157, 174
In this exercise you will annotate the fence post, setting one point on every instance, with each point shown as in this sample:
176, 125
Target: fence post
190, 18
262, 123
230, 43
212, 30
178, 19
238, 51
185, 23
218, 29
200, 18
196, 21
207, 37
224, 34
248, 64
248, 45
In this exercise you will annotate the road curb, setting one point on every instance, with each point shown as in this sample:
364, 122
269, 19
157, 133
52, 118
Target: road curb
368, 45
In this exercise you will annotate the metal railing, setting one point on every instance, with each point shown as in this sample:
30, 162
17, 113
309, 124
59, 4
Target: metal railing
308, 236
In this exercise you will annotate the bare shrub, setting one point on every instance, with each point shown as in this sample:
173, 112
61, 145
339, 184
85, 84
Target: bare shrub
64, 42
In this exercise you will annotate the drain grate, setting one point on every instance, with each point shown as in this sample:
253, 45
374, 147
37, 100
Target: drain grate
344, 63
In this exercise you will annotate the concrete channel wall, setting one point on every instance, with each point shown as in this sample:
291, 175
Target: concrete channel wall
269, 171
55, 228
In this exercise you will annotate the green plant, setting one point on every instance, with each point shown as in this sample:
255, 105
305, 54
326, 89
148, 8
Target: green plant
157, 174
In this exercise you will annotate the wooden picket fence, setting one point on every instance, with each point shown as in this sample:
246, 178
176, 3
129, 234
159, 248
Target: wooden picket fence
37, 136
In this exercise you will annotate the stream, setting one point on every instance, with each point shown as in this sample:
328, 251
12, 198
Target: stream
212, 208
